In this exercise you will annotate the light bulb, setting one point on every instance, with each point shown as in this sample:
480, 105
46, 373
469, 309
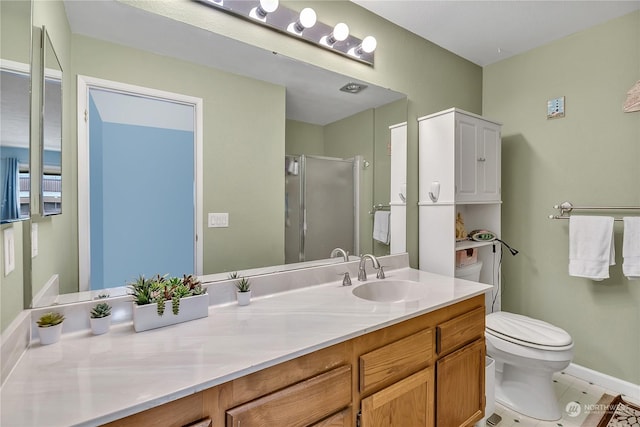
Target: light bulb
340, 32
269, 6
307, 17
369, 44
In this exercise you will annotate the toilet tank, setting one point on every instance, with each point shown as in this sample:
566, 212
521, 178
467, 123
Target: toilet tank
469, 272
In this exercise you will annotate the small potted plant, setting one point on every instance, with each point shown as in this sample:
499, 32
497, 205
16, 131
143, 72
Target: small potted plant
50, 327
159, 301
243, 287
100, 318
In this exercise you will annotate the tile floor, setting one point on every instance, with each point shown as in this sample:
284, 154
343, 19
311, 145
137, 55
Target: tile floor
568, 389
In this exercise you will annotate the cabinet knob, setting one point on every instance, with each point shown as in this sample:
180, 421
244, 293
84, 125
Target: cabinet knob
482, 159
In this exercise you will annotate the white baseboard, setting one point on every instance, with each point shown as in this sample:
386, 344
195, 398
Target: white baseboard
605, 381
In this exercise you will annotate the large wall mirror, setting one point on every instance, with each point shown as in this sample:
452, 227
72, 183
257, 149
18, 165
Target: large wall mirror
51, 130
320, 121
15, 105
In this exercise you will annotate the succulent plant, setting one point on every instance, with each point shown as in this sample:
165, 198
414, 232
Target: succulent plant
50, 319
100, 310
243, 285
162, 288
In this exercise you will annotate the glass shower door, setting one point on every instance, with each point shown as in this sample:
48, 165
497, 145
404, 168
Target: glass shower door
328, 206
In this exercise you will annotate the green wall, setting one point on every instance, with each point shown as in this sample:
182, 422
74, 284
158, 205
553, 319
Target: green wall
590, 157
304, 138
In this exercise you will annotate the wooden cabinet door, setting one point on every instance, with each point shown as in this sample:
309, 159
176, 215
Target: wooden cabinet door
460, 386
407, 403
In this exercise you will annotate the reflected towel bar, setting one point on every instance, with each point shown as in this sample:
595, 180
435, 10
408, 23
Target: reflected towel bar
379, 207
566, 208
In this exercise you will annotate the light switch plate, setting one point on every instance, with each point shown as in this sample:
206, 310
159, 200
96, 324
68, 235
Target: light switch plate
34, 240
217, 220
9, 251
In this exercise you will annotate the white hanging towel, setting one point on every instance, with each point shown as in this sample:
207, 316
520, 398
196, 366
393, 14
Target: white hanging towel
631, 248
591, 249
381, 227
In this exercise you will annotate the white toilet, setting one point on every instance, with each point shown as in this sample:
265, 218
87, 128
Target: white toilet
529, 351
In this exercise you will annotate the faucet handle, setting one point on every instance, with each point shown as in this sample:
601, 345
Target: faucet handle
346, 280
380, 274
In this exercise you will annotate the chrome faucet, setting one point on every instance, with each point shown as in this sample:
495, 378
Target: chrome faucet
340, 251
362, 274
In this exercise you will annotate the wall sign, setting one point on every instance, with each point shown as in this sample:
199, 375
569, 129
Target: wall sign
555, 108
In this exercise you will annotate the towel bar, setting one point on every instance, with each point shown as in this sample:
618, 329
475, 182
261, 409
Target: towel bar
566, 208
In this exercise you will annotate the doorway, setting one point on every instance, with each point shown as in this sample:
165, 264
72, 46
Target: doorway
140, 183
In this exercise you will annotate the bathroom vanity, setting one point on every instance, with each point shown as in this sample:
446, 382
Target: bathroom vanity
317, 356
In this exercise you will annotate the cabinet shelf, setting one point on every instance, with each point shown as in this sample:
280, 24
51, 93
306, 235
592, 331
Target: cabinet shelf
469, 244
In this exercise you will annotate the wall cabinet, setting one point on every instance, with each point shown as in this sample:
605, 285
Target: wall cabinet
425, 371
477, 159
459, 173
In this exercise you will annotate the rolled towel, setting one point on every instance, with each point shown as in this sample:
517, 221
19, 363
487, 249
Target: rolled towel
591, 249
631, 248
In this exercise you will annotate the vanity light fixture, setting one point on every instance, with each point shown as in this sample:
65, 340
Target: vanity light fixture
303, 25
307, 19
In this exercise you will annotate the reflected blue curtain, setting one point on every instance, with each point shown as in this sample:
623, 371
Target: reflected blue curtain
10, 190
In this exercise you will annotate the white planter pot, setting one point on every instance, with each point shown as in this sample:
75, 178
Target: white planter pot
100, 325
244, 298
146, 317
50, 335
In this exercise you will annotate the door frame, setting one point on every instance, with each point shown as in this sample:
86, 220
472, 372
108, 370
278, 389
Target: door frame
85, 83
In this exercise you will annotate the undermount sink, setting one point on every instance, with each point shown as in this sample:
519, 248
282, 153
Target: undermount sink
391, 291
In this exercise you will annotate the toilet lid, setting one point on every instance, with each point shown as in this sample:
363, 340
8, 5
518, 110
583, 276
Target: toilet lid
525, 330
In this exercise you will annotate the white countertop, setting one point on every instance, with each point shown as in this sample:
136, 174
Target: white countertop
90, 380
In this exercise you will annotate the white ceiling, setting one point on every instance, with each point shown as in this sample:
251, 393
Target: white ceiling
485, 32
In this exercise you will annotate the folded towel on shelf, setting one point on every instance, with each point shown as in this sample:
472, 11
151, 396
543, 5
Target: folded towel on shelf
631, 248
381, 227
591, 249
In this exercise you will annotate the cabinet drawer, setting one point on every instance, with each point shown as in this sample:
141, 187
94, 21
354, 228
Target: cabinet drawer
396, 360
341, 419
298, 405
460, 330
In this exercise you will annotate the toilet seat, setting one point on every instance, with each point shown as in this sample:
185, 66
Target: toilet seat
528, 332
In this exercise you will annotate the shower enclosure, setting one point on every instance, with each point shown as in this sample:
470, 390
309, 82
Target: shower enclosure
321, 208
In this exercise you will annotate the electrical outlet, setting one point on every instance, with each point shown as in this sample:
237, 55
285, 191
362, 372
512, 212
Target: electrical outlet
217, 220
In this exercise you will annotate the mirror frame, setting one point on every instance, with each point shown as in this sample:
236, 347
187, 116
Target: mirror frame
46, 43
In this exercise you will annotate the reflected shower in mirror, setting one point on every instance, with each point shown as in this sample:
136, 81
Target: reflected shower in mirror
51, 131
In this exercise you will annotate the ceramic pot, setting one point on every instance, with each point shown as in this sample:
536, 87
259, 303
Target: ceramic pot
146, 317
50, 334
100, 325
244, 298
